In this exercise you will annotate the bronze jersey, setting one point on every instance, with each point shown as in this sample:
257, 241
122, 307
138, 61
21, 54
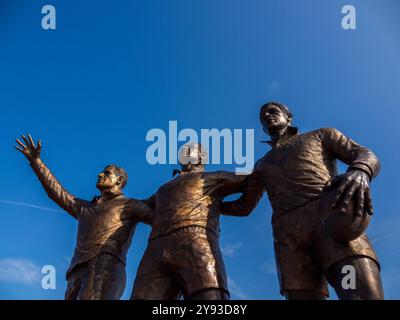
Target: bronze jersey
297, 168
106, 224
192, 199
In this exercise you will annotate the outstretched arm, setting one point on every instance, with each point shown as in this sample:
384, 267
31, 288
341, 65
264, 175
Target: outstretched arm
54, 189
138, 211
252, 190
151, 202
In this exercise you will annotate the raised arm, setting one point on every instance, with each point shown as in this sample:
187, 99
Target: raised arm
53, 188
252, 191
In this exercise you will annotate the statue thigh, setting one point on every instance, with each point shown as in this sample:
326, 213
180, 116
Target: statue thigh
210, 294
368, 283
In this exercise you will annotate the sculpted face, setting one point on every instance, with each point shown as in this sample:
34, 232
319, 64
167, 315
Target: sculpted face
109, 179
273, 118
191, 155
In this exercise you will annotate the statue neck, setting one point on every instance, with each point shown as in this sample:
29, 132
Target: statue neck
278, 134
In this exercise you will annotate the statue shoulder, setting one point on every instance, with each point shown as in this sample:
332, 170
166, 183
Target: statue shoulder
218, 174
328, 131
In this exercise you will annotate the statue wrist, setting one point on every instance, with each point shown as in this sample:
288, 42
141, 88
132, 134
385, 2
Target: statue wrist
36, 162
362, 167
361, 170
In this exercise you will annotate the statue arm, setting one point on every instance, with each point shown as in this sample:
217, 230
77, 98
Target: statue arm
53, 188
351, 153
363, 167
141, 211
151, 202
252, 191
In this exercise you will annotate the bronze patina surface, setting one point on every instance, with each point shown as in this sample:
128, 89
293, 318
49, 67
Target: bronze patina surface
183, 256
295, 173
105, 228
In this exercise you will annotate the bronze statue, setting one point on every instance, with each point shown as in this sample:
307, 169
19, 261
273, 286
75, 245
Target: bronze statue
105, 228
295, 173
183, 256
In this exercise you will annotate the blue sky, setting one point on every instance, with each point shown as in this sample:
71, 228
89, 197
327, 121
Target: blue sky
113, 70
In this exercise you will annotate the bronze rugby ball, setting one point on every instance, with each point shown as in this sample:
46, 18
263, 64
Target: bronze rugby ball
343, 227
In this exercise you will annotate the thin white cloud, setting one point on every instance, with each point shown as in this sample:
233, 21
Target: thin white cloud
384, 229
29, 205
235, 290
374, 241
19, 271
229, 249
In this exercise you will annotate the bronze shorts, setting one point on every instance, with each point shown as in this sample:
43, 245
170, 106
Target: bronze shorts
304, 251
182, 262
101, 278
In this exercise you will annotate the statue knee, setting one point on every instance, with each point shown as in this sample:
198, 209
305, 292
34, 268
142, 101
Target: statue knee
356, 278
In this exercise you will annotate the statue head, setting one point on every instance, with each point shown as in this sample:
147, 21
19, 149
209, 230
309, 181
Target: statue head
112, 178
275, 116
192, 157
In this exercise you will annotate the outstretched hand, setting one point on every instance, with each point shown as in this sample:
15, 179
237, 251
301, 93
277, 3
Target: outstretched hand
29, 149
355, 182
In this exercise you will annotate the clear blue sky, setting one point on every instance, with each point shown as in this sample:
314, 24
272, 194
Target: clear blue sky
112, 70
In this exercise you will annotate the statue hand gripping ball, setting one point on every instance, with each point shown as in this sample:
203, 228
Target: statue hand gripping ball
346, 207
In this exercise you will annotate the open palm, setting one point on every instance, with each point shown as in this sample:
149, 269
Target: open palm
30, 150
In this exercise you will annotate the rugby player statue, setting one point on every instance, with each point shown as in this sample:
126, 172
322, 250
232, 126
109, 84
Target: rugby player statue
319, 217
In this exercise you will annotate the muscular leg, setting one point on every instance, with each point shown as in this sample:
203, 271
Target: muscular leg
152, 284
368, 284
73, 288
210, 294
304, 295
101, 278
171, 292
109, 278
76, 282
